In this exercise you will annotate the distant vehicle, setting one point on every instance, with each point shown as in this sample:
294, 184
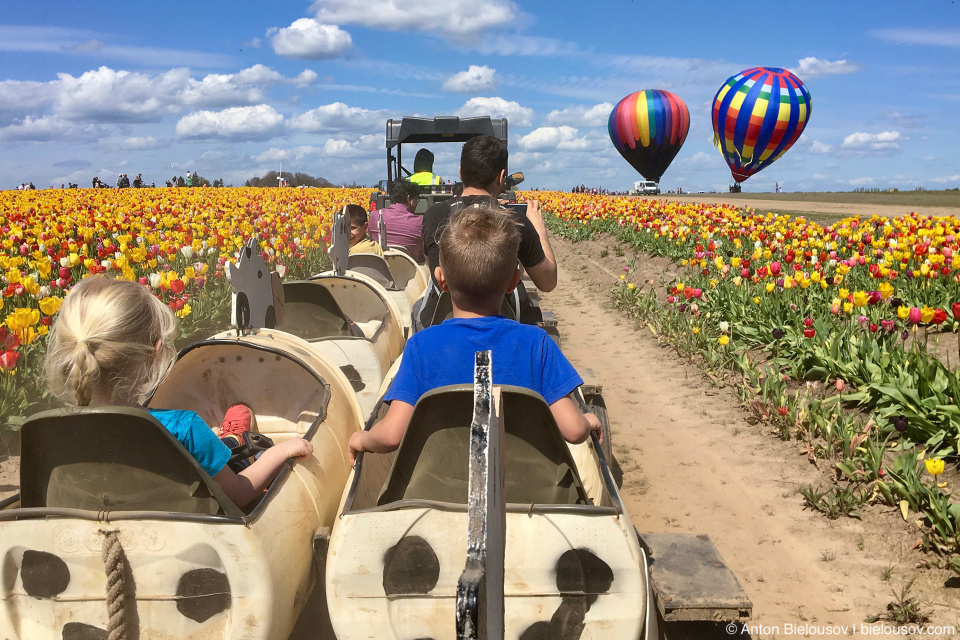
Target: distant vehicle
645, 188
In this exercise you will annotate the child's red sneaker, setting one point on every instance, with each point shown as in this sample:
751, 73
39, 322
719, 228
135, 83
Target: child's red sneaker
239, 418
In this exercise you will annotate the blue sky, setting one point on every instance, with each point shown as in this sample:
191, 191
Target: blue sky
230, 90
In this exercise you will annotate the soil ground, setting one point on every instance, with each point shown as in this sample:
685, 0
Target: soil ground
693, 463
833, 206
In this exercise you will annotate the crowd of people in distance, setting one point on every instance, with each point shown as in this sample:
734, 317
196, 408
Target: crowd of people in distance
25, 186
597, 191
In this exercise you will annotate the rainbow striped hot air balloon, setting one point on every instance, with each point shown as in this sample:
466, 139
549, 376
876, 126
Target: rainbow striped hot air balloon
648, 128
757, 115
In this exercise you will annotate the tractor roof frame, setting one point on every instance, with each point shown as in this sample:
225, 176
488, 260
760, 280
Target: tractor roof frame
433, 130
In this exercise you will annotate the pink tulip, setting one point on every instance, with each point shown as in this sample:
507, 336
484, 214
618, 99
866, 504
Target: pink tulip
839, 384
915, 315
774, 268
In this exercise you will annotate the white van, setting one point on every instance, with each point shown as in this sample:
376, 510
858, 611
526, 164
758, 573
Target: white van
645, 188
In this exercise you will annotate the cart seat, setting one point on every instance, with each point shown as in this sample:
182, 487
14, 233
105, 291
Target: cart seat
372, 266
432, 460
112, 459
310, 312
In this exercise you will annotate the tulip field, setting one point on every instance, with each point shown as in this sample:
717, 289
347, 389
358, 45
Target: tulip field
176, 241
842, 337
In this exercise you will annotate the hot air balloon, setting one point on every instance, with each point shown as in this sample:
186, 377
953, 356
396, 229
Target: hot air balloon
648, 128
757, 115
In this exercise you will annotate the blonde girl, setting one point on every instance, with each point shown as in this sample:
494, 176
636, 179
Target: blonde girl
112, 344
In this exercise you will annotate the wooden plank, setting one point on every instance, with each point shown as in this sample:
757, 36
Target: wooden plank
691, 581
480, 587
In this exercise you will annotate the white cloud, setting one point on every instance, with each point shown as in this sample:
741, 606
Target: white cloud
860, 181
819, 147
244, 123
309, 39
137, 142
108, 95
953, 178
811, 67
78, 42
274, 155
49, 128
305, 78
257, 74
336, 117
451, 18
563, 138
864, 144
474, 79
365, 146
253, 43
595, 116
929, 37
497, 108
909, 121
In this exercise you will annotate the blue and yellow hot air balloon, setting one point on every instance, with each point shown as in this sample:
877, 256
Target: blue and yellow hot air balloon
648, 128
757, 115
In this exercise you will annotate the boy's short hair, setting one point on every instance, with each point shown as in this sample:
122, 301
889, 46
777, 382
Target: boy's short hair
478, 254
481, 161
357, 214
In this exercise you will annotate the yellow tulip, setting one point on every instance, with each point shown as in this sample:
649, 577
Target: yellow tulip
696, 330
848, 307
926, 313
756, 300
903, 312
680, 287
50, 305
735, 262
22, 318
886, 290
183, 313
860, 298
769, 287
723, 340
934, 466
630, 286
843, 293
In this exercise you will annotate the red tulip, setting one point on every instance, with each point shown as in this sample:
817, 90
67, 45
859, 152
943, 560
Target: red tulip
176, 286
939, 316
8, 359
783, 411
808, 322
809, 333
956, 310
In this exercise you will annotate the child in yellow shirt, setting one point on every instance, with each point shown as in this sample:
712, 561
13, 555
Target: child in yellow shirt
360, 242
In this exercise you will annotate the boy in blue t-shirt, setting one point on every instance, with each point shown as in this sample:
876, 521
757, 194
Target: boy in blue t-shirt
478, 265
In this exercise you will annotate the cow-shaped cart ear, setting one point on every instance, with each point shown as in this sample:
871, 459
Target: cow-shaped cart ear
381, 231
340, 241
257, 291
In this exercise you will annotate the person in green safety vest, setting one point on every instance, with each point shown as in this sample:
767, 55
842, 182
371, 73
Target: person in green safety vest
423, 169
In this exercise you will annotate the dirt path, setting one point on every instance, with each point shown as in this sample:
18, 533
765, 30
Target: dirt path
830, 208
692, 463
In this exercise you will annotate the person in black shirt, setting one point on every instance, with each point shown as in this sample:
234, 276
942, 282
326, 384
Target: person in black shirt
483, 170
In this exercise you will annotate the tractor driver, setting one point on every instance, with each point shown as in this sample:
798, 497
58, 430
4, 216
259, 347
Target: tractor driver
483, 171
423, 174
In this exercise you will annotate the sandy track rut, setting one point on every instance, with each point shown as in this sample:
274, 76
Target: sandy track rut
692, 463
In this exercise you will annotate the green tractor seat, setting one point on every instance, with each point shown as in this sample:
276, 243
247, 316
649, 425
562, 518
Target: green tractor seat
112, 459
432, 460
